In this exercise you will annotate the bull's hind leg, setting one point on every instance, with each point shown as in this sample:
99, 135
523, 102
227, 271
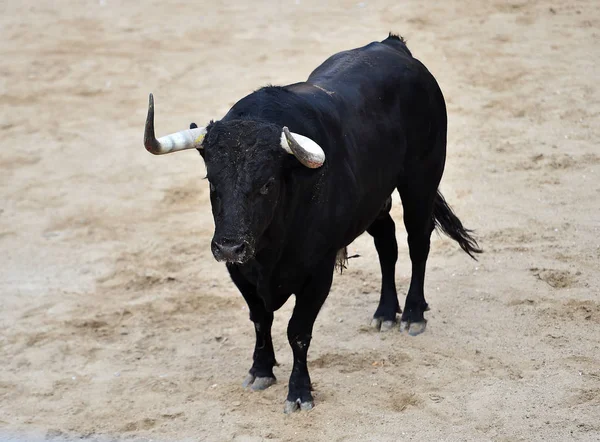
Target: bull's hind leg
418, 195
261, 374
383, 231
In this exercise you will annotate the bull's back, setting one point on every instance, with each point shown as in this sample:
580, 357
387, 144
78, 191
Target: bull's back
375, 63
390, 108
372, 78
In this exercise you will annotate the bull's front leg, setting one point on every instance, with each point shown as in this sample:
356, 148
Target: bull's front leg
308, 303
260, 375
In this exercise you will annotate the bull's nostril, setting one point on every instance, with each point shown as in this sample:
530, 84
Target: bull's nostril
239, 249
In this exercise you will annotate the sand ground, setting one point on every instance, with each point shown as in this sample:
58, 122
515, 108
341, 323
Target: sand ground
117, 324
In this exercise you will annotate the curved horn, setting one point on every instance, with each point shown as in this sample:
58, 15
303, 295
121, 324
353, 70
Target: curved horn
306, 150
185, 139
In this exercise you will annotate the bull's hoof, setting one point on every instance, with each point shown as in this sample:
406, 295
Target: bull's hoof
382, 325
292, 406
413, 328
258, 383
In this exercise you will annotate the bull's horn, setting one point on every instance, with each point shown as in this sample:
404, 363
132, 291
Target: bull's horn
303, 148
185, 139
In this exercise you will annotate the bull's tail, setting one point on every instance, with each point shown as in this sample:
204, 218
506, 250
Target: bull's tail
448, 222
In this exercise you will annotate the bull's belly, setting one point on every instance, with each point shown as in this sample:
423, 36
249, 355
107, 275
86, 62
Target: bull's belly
366, 213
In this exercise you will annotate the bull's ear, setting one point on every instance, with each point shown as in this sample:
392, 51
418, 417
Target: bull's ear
201, 151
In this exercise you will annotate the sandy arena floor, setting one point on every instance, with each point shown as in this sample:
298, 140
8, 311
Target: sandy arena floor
117, 324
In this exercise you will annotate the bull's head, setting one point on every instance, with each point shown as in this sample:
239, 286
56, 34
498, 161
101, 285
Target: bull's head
245, 162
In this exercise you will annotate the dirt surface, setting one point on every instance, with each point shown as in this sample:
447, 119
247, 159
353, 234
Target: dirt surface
117, 324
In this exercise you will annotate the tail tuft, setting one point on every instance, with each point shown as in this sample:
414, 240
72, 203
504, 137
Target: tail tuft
448, 222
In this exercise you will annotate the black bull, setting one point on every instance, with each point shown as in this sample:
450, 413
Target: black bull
380, 118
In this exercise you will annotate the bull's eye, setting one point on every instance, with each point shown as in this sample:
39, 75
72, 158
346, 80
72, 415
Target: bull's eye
212, 187
265, 189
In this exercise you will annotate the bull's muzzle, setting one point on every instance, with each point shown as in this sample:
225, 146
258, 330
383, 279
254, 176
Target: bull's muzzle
233, 251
